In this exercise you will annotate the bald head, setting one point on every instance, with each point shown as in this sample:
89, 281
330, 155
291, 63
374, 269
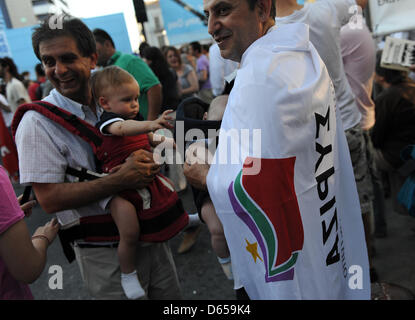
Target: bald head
217, 108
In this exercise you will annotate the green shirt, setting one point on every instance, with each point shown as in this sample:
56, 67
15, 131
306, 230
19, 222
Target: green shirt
141, 72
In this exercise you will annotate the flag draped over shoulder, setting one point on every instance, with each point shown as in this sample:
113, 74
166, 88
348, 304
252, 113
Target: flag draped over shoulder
282, 182
8, 150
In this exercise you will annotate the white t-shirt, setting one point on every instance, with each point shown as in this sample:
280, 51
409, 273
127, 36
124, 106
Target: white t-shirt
15, 91
325, 18
7, 116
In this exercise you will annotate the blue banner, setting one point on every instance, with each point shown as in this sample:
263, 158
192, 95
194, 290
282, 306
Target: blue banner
181, 25
4, 46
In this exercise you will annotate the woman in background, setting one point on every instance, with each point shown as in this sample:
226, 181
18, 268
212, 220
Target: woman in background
186, 74
168, 78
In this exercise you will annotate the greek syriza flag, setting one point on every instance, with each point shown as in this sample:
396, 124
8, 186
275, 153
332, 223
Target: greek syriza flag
282, 182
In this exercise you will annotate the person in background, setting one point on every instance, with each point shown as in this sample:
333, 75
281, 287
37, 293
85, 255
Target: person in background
168, 77
202, 71
16, 92
394, 123
22, 259
359, 59
189, 84
150, 89
141, 48
35, 89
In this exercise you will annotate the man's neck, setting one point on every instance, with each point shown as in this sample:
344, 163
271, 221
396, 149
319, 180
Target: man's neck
287, 7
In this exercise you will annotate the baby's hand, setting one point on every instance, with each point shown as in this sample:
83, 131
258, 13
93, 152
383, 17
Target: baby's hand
163, 121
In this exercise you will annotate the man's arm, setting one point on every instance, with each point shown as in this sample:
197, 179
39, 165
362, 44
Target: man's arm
137, 172
4, 107
154, 98
361, 3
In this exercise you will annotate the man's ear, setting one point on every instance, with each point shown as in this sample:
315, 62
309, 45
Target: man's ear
205, 116
94, 60
264, 9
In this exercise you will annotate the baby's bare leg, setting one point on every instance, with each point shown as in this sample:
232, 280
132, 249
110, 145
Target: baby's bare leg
125, 217
217, 236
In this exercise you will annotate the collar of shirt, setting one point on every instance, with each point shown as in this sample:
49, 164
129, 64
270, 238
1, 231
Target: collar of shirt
289, 37
83, 112
114, 58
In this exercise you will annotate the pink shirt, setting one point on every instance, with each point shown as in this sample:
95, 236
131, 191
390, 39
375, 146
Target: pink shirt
359, 59
10, 213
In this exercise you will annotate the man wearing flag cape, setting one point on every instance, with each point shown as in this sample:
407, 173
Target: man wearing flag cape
281, 179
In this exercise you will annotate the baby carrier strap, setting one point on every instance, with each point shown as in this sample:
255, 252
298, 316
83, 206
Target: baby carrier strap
162, 222
66, 119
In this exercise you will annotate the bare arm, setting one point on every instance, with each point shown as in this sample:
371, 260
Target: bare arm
203, 75
4, 107
25, 258
361, 3
154, 97
137, 172
194, 83
134, 127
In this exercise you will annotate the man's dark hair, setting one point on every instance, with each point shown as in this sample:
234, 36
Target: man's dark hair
273, 12
39, 70
142, 47
101, 36
196, 46
71, 27
8, 62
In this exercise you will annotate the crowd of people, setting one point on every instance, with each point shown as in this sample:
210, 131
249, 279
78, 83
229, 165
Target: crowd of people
330, 146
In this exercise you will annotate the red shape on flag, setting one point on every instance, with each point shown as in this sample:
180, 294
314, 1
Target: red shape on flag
8, 151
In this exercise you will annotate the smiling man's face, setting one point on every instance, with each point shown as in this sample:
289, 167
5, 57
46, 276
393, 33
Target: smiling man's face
233, 25
66, 68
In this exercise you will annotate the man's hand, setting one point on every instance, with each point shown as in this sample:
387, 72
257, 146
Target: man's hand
138, 171
197, 166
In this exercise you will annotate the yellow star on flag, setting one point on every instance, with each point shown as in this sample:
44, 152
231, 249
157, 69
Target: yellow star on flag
252, 248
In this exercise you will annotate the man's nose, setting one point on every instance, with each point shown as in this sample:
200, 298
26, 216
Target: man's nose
60, 68
213, 25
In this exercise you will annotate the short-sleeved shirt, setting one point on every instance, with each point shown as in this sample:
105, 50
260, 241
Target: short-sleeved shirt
202, 63
10, 213
141, 72
325, 18
184, 83
45, 150
15, 91
359, 59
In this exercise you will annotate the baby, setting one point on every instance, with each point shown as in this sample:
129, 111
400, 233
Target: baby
116, 91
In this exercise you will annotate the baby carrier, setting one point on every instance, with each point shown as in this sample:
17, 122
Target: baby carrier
160, 222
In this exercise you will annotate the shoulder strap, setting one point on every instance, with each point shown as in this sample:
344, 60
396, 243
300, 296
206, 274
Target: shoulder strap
66, 119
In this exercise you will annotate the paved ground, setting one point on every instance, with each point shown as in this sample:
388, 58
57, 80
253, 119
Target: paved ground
201, 276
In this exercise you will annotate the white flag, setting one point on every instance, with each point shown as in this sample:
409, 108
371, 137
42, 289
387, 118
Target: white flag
286, 194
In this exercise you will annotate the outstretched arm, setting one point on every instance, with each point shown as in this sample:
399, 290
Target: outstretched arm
134, 127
